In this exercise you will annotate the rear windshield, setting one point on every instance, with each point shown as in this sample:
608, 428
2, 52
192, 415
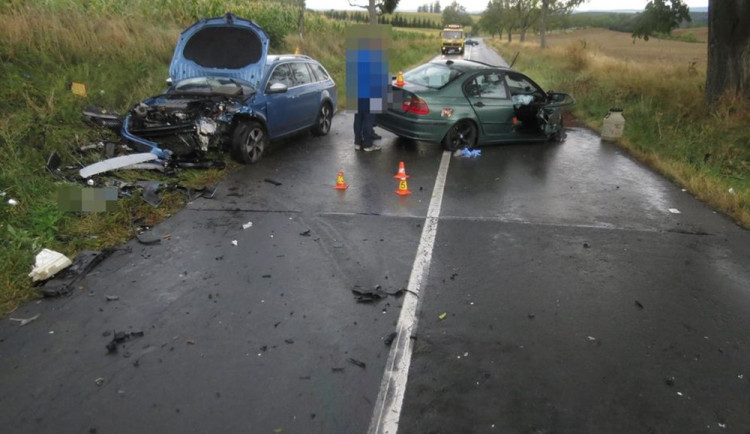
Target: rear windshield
432, 75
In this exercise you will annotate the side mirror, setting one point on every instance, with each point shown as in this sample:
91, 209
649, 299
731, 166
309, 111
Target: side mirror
277, 88
169, 81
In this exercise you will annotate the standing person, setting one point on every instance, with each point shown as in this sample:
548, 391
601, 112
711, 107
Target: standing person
366, 79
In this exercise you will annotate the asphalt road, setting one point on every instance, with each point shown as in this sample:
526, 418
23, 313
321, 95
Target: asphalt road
553, 292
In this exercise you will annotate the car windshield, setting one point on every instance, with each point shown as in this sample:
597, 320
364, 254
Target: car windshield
432, 75
214, 86
452, 34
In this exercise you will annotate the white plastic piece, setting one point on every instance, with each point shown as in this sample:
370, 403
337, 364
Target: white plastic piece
116, 163
247, 225
674, 210
48, 263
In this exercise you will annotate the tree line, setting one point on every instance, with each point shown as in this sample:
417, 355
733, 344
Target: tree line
395, 20
432, 8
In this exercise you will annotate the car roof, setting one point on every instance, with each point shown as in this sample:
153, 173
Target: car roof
273, 58
469, 65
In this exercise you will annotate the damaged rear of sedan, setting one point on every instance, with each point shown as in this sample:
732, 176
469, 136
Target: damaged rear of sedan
220, 96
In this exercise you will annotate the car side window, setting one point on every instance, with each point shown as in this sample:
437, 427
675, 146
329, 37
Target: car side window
281, 74
300, 73
488, 85
320, 73
520, 85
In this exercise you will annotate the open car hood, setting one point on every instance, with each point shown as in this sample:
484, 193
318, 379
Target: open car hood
226, 46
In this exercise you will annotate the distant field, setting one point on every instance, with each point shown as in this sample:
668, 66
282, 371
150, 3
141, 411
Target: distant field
701, 33
620, 45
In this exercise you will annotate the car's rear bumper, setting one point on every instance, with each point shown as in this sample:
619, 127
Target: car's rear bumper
427, 130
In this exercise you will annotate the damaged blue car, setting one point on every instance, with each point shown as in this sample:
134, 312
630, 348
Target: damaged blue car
225, 91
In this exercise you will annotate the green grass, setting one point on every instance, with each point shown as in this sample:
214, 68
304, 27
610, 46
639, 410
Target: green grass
668, 126
120, 49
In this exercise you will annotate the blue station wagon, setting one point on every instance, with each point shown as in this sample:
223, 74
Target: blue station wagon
226, 91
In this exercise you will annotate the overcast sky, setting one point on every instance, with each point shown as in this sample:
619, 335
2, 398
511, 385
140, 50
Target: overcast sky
479, 5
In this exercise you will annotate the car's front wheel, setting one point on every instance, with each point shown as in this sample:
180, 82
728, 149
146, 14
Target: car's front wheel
463, 134
559, 135
323, 122
249, 142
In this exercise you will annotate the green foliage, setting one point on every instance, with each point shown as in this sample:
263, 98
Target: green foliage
494, 18
401, 19
456, 14
659, 17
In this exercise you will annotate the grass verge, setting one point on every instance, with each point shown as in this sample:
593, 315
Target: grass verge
121, 50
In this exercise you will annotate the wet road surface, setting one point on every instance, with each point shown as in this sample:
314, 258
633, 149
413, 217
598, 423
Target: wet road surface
572, 300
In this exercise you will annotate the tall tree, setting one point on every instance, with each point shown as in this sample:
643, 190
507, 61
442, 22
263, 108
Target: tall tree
660, 17
553, 7
456, 14
728, 49
492, 19
526, 13
376, 7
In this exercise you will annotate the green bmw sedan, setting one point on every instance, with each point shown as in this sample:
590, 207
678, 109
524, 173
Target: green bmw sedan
465, 103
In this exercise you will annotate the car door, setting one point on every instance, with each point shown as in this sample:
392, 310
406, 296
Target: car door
305, 93
282, 112
492, 105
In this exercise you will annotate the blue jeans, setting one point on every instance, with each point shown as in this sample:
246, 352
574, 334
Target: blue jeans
363, 125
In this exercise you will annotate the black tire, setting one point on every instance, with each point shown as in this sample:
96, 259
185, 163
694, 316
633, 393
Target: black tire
463, 134
249, 142
323, 121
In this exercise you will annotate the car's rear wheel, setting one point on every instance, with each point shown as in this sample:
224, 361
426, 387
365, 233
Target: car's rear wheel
249, 142
463, 134
323, 122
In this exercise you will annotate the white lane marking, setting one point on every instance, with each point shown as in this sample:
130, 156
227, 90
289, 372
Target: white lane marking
387, 412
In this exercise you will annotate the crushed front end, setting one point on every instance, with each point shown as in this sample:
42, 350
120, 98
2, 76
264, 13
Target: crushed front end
188, 120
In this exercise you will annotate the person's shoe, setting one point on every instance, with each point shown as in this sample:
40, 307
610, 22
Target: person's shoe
372, 148
357, 147
376, 136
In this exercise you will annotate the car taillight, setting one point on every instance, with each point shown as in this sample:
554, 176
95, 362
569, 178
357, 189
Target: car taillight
415, 105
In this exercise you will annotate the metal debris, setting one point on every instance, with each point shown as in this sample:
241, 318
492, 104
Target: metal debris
120, 338
358, 363
389, 339
364, 296
82, 265
23, 321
